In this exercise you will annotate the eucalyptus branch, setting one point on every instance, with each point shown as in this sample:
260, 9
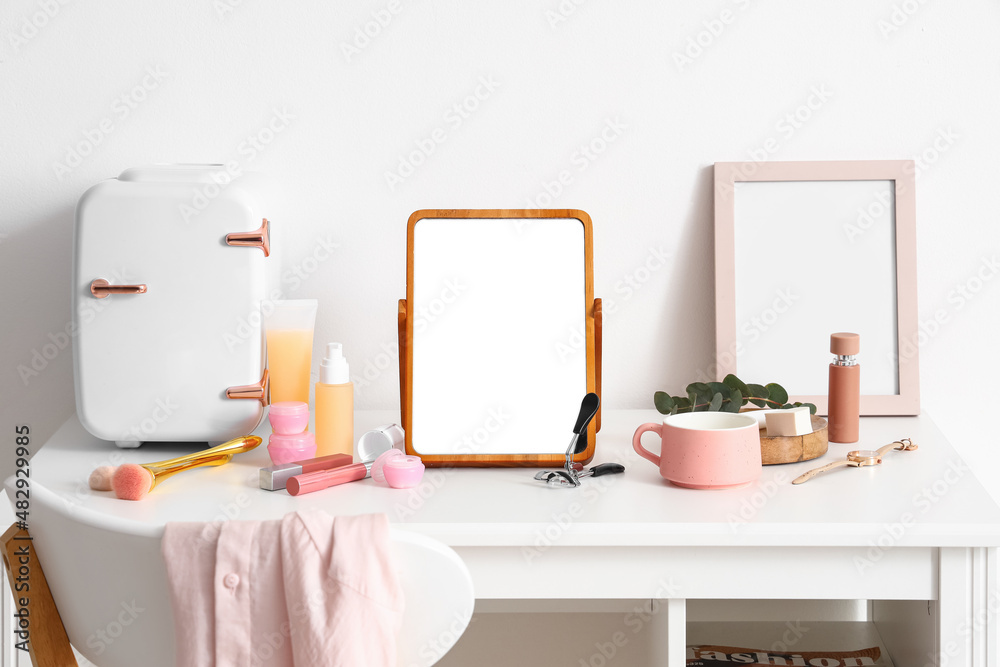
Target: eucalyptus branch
727, 396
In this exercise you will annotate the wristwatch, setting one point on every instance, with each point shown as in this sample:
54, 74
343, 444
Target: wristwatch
860, 458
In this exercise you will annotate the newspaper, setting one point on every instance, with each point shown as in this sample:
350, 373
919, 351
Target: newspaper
727, 656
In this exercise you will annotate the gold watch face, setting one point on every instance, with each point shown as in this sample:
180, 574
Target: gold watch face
864, 457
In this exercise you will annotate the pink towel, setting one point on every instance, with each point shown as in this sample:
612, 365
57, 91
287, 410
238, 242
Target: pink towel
307, 590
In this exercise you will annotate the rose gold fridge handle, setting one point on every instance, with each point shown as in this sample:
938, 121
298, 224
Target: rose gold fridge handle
258, 391
101, 288
258, 238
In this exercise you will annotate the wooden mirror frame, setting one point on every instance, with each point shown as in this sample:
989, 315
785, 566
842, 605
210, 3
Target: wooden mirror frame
593, 318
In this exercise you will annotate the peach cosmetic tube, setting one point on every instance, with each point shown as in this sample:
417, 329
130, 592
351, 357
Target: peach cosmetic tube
289, 329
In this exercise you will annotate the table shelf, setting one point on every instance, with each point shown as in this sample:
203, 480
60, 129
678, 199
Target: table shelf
657, 633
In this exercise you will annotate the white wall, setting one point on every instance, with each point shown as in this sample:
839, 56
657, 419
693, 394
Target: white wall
552, 86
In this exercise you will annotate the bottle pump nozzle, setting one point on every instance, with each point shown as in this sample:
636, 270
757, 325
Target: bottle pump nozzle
334, 368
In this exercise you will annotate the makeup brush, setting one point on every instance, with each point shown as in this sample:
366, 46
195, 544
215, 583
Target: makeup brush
133, 481
100, 479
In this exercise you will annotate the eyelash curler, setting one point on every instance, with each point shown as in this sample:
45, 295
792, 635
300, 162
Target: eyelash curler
572, 472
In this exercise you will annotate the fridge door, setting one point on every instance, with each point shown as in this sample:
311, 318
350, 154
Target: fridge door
167, 312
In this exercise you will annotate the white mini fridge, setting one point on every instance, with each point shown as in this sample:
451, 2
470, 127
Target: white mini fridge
169, 272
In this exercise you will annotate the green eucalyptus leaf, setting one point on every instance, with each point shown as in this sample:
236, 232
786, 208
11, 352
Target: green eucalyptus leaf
734, 382
682, 404
699, 403
734, 402
663, 402
719, 388
702, 392
812, 408
716, 403
777, 393
757, 395
705, 394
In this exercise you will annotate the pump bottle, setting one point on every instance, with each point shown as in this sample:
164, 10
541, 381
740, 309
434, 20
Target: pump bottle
334, 404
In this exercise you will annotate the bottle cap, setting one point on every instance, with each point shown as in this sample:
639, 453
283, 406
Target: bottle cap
845, 344
334, 369
378, 468
289, 408
288, 417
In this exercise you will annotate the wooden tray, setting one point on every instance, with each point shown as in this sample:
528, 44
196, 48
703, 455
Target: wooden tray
791, 448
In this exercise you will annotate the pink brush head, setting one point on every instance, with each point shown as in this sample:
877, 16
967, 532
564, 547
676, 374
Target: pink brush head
132, 482
100, 479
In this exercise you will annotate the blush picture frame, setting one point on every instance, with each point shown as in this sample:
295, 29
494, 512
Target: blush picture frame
773, 227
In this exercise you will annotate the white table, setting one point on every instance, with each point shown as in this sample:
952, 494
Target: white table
917, 535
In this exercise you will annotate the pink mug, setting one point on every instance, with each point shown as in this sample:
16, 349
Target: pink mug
705, 450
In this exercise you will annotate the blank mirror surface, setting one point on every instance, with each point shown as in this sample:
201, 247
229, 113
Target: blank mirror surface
813, 258
499, 340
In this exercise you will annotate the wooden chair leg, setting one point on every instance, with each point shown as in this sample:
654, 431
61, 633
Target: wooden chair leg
38, 626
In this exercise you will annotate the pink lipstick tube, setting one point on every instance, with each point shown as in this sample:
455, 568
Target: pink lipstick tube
276, 477
323, 479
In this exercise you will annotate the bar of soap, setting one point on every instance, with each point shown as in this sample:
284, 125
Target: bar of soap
794, 421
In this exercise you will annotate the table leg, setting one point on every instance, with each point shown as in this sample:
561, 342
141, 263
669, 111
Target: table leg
959, 628
967, 607
669, 639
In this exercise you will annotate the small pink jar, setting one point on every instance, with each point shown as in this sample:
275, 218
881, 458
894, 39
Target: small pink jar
397, 470
291, 447
403, 472
288, 417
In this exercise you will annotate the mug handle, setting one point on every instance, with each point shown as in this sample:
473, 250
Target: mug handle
637, 442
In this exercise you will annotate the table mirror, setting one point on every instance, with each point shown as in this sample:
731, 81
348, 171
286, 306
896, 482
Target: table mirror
499, 336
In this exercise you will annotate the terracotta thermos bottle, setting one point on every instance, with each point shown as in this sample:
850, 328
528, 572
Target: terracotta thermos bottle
845, 388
